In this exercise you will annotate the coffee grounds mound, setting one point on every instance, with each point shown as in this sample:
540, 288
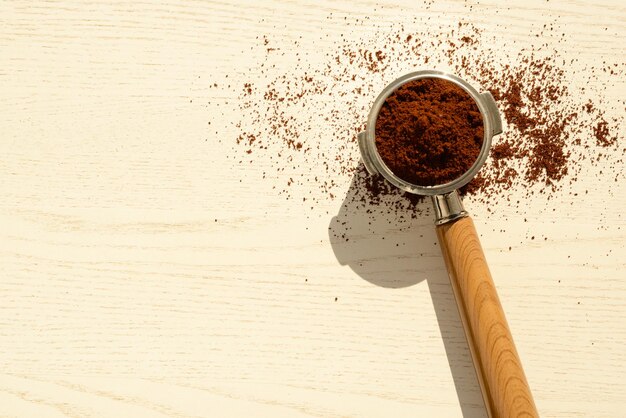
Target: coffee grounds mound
300, 113
429, 132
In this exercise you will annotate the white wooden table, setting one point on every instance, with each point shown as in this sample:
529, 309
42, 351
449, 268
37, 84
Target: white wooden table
140, 278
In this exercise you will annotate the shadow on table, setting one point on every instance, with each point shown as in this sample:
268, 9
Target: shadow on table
390, 249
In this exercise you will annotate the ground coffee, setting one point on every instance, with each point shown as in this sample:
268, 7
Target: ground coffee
429, 132
299, 113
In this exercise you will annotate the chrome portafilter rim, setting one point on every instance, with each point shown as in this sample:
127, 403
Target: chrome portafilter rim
367, 139
446, 200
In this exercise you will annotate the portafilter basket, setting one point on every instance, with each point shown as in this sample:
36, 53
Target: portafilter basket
445, 197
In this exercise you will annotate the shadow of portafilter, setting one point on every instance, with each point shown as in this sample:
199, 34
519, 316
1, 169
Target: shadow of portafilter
392, 244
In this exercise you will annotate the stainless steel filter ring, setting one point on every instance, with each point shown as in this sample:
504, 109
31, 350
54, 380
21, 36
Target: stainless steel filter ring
374, 163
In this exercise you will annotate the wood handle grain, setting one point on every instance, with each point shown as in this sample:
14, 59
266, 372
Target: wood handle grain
498, 367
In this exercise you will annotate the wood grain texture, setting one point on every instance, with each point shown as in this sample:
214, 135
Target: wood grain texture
498, 367
143, 273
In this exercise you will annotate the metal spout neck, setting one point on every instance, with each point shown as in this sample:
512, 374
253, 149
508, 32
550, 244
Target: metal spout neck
448, 207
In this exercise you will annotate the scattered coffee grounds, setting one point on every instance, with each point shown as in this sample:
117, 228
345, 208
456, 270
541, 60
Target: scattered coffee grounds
301, 106
429, 132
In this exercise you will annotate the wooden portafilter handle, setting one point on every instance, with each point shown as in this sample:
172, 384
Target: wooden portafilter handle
498, 367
